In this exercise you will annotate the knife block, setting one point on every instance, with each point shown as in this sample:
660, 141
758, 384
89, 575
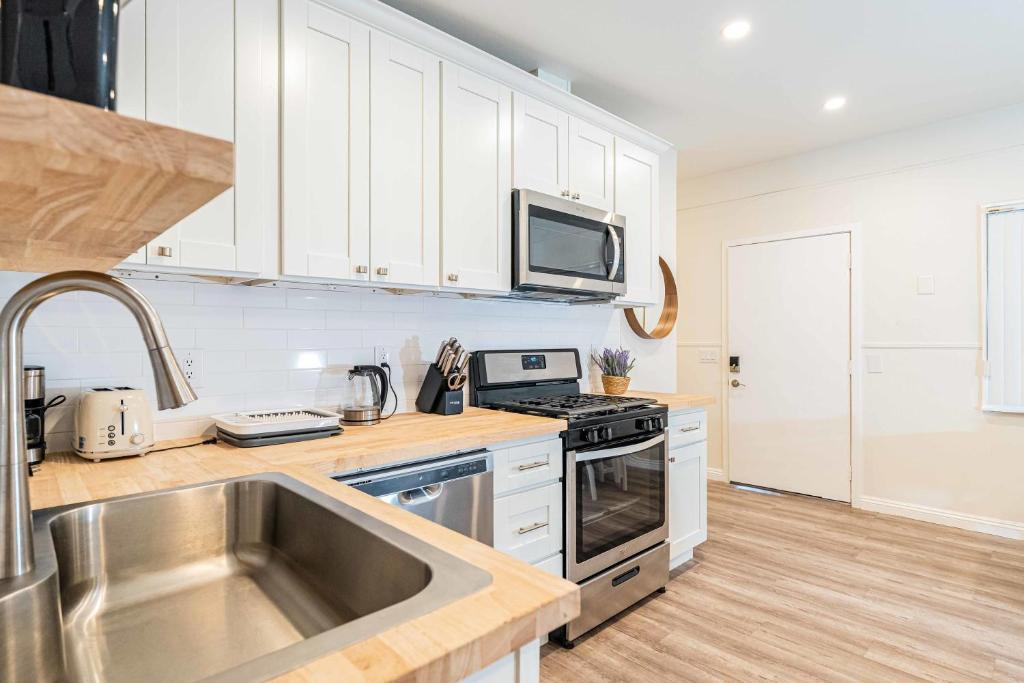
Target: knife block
435, 396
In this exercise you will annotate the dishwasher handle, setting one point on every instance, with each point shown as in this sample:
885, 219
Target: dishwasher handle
420, 494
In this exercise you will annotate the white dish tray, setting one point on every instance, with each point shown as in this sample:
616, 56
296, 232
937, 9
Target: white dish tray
263, 422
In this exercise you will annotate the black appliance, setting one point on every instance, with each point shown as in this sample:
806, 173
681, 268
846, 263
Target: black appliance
616, 476
66, 48
34, 388
566, 251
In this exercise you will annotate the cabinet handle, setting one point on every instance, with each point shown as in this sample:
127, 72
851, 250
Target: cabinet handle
565, 193
692, 427
362, 270
532, 527
672, 459
382, 270
164, 251
576, 195
453, 277
532, 465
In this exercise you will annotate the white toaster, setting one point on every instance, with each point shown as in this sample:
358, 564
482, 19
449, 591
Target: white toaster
111, 422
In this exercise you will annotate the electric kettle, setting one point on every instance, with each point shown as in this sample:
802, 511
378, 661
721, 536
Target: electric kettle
369, 394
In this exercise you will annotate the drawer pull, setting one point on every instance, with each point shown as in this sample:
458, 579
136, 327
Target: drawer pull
692, 427
532, 527
532, 465
672, 459
623, 578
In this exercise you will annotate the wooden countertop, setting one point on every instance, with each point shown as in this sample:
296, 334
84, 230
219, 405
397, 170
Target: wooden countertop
675, 401
521, 604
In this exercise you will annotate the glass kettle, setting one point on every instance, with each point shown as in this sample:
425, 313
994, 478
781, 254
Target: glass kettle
369, 394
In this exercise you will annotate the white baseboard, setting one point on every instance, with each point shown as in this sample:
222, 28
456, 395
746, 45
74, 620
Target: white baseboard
716, 474
960, 520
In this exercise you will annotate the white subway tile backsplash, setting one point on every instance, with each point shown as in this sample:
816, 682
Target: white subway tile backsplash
267, 347
283, 319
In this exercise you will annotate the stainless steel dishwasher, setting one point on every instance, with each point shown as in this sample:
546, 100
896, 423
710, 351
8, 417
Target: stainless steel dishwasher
456, 491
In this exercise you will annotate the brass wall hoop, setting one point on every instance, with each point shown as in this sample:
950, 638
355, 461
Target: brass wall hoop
669, 309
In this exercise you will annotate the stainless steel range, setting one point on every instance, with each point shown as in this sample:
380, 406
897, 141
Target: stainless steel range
616, 476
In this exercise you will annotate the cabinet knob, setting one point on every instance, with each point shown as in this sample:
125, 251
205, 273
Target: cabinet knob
164, 251
453, 277
382, 270
362, 270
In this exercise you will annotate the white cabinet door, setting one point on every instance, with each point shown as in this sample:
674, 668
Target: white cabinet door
636, 198
591, 165
687, 499
192, 50
325, 146
476, 177
404, 162
528, 525
541, 139
131, 72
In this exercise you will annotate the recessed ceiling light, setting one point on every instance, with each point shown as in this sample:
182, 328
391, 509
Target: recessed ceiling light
736, 30
835, 103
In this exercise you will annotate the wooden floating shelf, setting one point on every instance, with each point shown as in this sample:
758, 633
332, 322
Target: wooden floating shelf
83, 188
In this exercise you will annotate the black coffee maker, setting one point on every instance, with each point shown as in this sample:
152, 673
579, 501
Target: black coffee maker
34, 387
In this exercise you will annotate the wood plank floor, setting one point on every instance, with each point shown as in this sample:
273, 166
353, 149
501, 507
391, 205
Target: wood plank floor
791, 588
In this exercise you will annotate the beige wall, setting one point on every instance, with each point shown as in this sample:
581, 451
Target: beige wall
916, 195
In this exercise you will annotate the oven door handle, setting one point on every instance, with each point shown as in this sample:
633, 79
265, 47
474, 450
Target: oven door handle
584, 456
617, 254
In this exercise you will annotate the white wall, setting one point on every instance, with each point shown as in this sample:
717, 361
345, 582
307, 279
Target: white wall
916, 194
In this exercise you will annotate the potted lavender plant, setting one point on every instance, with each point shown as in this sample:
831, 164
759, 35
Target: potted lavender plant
615, 368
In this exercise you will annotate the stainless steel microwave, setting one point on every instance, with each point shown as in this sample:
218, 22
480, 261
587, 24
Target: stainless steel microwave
566, 251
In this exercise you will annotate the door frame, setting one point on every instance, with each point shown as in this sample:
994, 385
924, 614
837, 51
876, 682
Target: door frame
856, 345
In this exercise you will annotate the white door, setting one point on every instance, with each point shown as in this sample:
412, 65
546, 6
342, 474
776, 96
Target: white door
636, 198
541, 136
789, 324
591, 165
476, 172
404, 162
325, 147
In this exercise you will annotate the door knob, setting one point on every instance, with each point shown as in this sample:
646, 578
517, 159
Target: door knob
736, 383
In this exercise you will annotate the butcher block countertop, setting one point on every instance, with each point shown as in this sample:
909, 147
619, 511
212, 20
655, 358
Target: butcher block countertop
676, 401
520, 605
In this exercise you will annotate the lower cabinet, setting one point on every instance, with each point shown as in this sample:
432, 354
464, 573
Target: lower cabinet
688, 487
521, 666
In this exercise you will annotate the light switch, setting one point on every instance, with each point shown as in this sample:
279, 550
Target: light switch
925, 284
874, 363
709, 355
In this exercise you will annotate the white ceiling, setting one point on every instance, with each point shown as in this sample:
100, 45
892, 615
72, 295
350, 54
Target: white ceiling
663, 65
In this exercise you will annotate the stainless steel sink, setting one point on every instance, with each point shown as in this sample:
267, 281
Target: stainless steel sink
234, 580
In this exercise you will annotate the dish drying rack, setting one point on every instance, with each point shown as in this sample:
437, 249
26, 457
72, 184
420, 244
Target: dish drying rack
267, 427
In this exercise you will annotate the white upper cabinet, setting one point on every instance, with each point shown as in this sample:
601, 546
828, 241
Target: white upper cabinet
325, 145
636, 198
591, 165
476, 172
404, 162
541, 146
211, 68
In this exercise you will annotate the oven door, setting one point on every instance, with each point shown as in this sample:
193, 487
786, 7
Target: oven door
565, 246
616, 504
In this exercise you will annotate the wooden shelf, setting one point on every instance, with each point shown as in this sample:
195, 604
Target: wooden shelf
83, 188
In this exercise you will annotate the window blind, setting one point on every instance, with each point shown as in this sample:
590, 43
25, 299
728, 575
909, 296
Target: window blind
1004, 311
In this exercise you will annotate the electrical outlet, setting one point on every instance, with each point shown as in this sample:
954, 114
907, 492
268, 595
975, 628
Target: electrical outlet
191, 362
381, 355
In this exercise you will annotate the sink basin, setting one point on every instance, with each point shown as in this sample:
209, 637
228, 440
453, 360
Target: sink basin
234, 580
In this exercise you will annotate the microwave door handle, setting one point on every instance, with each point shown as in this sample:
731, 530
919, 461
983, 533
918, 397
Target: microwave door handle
617, 254
618, 451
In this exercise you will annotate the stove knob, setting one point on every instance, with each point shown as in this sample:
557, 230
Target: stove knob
591, 435
604, 432
643, 424
657, 423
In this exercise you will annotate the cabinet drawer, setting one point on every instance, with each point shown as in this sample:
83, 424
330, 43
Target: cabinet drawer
522, 466
687, 428
528, 525
553, 565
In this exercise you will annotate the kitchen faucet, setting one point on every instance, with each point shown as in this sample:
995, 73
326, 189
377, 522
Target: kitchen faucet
173, 391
